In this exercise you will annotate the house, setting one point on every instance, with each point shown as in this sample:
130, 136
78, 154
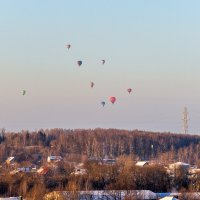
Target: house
142, 163
11, 198
179, 165
54, 158
194, 171
103, 195
43, 170
15, 171
24, 169
79, 170
169, 198
108, 161
10, 160
95, 159
168, 194
142, 194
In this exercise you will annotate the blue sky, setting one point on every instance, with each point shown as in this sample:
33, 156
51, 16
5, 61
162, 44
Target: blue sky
151, 46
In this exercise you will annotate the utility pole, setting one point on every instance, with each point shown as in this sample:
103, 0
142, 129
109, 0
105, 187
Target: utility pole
185, 120
105, 152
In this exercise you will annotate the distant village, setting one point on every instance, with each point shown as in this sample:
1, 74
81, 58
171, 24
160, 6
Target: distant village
192, 173
99, 164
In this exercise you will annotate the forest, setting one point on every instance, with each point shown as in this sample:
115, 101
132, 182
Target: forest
74, 144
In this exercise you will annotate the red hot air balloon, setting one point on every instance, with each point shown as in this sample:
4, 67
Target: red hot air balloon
92, 84
129, 90
112, 100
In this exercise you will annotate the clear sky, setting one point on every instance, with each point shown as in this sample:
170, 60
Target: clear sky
151, 46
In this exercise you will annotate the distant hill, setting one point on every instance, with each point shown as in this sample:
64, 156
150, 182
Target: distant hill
75, 144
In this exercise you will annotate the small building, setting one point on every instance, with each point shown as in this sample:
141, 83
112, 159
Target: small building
11, 198
142, 163
79, 170
15, 171
179, 165
103, 194
10, 160
169, 198
24, 169
54, 158
43, 170
108, 161
142, 195
169, 194
193, 171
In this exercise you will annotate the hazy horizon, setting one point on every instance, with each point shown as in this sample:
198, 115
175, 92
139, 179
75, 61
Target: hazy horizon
152, 47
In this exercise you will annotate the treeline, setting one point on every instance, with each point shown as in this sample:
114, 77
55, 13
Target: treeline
78, 143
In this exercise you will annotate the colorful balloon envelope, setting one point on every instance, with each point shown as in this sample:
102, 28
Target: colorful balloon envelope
113, 99
23, 92
129, 90
103, 62
68, 46
92, 84
103, 103
79, 62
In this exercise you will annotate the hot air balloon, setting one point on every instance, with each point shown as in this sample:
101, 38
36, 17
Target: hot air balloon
103, 62
103, 103
79, 62
68, 46
92, 84
23, 92
112, 100
129, 90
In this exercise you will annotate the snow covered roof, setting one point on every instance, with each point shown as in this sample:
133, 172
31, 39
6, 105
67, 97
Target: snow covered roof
108, 161
42, 170
168, 194
169, 198
111, 194
145, 194
141, 163
9, 198
181, 163
54, 158
80, 165
9, 159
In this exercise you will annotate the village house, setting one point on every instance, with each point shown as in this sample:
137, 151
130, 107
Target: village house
142, 163
43, 170
10, 160
54, 159
103, 195
11, 198
178, 165
169, 198
79, 170
108, 161
194, 171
